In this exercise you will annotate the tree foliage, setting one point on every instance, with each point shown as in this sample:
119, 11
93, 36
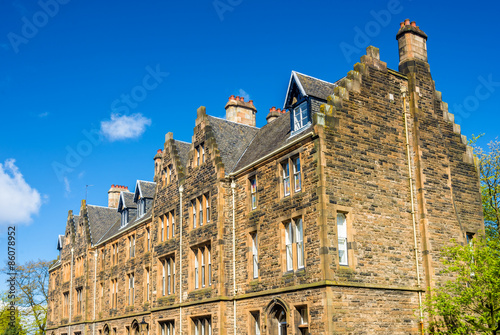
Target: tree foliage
470, 302
489, 165
32, 291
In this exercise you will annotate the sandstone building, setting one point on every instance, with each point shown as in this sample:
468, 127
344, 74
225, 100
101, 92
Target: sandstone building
327, 220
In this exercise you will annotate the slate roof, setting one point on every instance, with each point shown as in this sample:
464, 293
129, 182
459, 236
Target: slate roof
183, 150
272, 136
315, 87
127, 200
146, 189
114, 228
232, 140
100, 220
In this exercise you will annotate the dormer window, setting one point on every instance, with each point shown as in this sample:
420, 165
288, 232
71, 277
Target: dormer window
141, 207
124, 217
300, 116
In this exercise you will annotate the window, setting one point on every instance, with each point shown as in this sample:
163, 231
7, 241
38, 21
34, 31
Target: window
302, 320
286, 178
255, 256
169, 171
300, 116
168, 231
114, 257
297, 175
162, 228
79, 301
103, 259
253, 192
131, 289
255, 323
65, 304
200, 210
342, 238
141, 207
168, 275
167, 328
114, 293
202, 269
66, 272
202, 326
124, 217
131, 246
294, 244
469, 238
148, 239
147, 284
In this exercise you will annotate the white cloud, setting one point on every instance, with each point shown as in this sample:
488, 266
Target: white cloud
45, 114
244, 94
122, 127
18, 200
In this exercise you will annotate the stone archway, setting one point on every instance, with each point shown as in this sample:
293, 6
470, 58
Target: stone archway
105, 329
277, 317
136, 330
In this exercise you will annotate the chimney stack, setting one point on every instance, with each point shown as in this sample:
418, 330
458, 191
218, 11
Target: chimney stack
114, 195
274, 114
237, 110
412, 42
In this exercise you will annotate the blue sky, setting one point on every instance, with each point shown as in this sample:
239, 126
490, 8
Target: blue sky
138, 70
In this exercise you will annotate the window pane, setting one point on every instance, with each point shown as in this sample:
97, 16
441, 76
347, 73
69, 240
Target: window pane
343, 251
341, 226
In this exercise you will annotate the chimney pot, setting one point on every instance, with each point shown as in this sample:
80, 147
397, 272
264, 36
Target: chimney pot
413, 24
407, 22
237, 97
250, 102
273, 109
401, 24
231, 97
159, 151
242, 99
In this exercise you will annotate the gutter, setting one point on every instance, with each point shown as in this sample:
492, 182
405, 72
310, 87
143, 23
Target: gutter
233, 185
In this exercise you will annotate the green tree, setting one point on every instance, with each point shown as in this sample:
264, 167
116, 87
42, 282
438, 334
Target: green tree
32, 290
470, 302
489, 168
7, 326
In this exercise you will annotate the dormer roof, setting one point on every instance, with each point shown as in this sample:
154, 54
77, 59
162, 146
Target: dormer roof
308, 86
126, 201
144, 189
60, 242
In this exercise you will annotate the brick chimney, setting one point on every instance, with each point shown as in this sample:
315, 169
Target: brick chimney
274, 114
237, 110
114, 195
412, 42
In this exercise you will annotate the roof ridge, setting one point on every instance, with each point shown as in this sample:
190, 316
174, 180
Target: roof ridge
182, 141
100, 206
328, 82
241, 124
146, 181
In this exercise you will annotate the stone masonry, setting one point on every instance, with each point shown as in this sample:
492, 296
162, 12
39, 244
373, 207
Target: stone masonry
241, 232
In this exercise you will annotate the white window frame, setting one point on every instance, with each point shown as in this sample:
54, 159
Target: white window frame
207, 206
289, 246
253, 191
131, 289
297, 177
200, 206
147, 284
209, 266
300, 116
193, 205
342, 239
196, 270
163, 277
168, 225
299, 240
285, 166
162, 237
255, 256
